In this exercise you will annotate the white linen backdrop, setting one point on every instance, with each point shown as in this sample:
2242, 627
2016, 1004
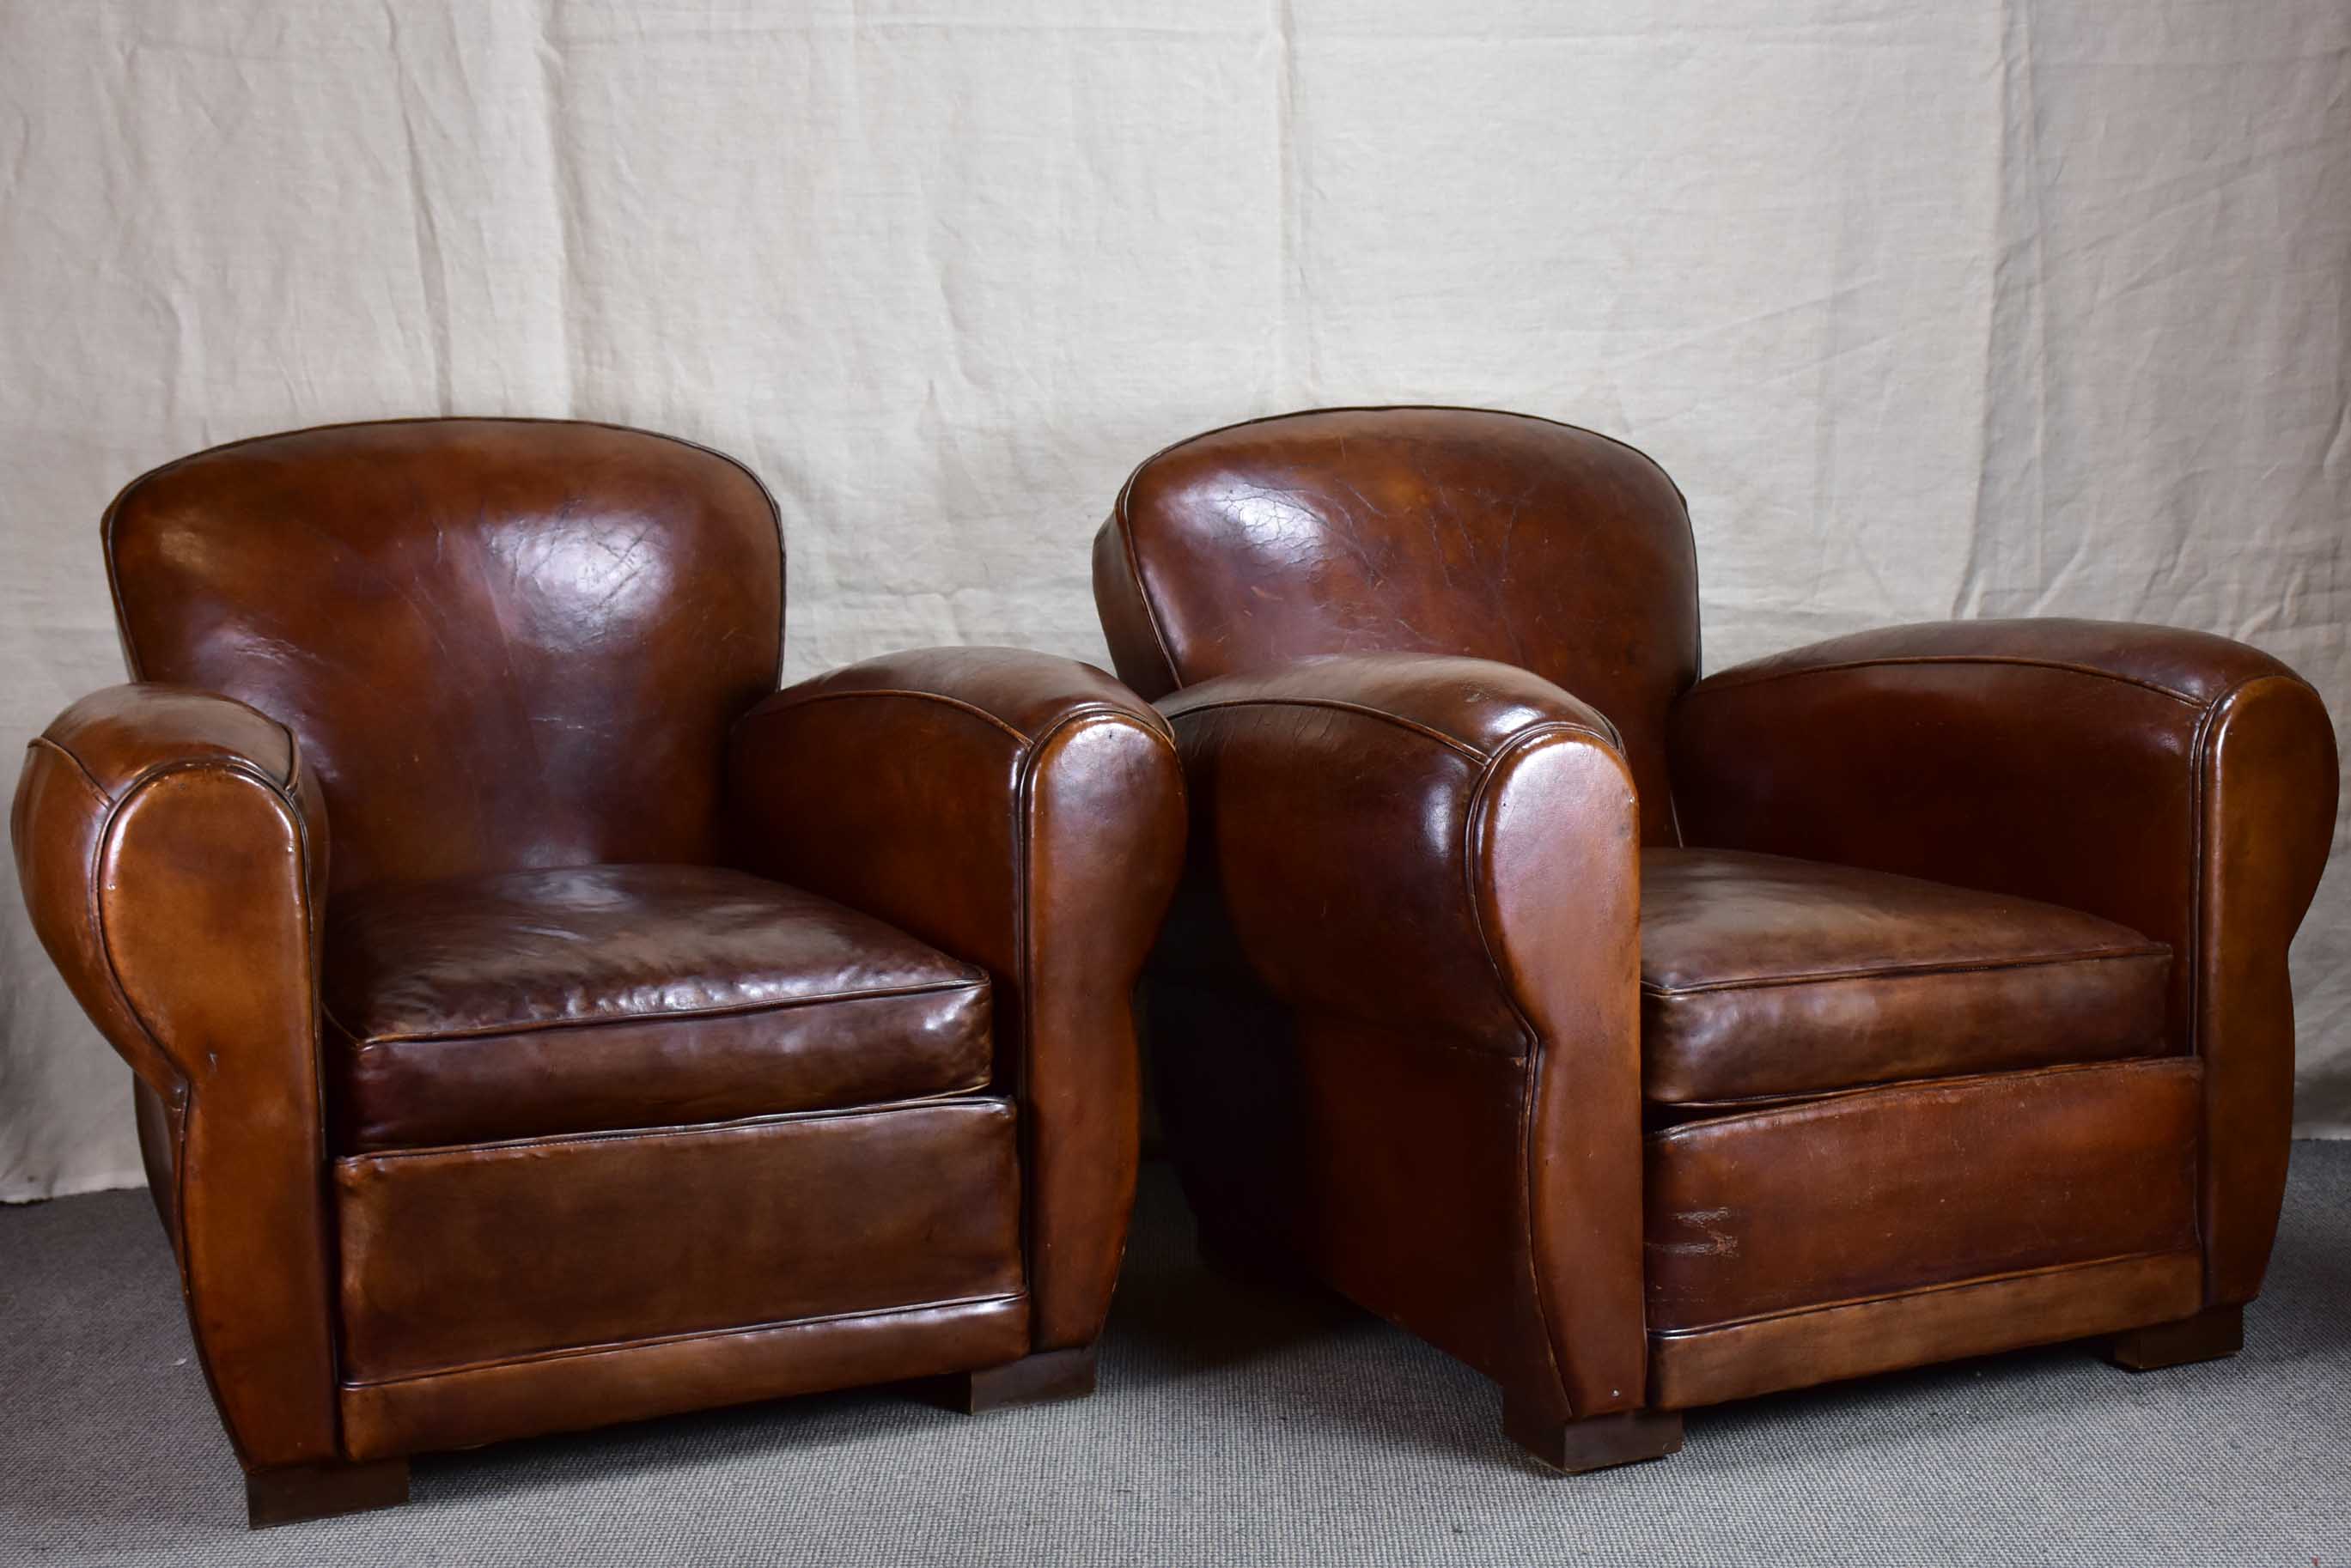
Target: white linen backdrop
1934, 308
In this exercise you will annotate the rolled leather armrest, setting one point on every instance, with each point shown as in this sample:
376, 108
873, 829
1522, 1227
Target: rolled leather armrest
2178, 782
1366, 819
171, 851
1431, 864
1024, 812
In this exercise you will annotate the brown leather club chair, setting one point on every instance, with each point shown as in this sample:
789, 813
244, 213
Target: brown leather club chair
1648, 1042
645, 1039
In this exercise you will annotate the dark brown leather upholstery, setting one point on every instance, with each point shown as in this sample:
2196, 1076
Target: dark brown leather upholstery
1412, 531
341, 581
1944, 966
646, 1039
2180, 785
1767, 978
597, 997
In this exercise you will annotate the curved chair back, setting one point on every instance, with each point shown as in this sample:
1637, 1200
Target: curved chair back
1427, 530
500, 643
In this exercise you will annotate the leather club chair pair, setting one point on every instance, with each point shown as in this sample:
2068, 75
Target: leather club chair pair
539, 1020
1648, 1042
646, 1039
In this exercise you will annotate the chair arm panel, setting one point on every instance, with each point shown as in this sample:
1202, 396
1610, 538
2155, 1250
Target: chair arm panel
2180, 784
171, 848
1024, 812
1440, 855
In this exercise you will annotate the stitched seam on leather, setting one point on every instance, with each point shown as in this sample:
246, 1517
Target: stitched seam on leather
1732, 680
772, 710
1123, 523
1126, 491
389, 1137
354, 1163
184, 1096
40, 742
687, 1336
1365, 710
1024, 848
1332, 704
1794, 1099
534, 1026
1978, 1282
1893, 972
1529, 1072
1025, 837
1682, 1130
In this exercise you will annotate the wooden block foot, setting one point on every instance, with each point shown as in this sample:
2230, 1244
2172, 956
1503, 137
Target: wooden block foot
2209, 1336
1596, 1442
1039, 1379
297, 1492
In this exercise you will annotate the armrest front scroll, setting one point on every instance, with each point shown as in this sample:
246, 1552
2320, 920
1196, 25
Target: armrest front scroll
2181, 783
1017, 811
1431, 865
171, 851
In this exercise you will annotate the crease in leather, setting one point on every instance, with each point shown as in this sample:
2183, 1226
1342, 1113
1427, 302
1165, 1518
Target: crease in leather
1084, 710
114, 507
1899, 970
1973, 1282
1142, 583
182, 1095
687, 1336
1731, 680
1957, 1081
1530, 1072
672, 1129
1366, 710
623, 1020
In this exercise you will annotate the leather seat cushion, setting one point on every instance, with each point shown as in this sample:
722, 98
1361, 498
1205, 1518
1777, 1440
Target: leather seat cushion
1765, 979
532, 1003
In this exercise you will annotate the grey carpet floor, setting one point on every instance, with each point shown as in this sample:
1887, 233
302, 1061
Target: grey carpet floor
1234, 1427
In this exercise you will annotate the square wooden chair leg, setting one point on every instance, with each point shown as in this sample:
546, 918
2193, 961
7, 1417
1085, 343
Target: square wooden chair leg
1039, 1379
1596, 1442
2207, 1336
297, 1492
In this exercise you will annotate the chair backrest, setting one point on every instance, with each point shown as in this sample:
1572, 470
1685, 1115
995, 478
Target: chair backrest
500, 643
1430, 530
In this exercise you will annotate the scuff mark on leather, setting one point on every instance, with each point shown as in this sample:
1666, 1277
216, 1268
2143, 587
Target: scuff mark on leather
1719, 1242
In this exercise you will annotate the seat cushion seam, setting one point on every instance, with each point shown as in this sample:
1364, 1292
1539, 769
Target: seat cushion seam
685, 1336
351, 1163
1902, 971
740, 1010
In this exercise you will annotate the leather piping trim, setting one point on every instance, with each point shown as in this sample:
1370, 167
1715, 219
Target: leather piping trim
1365, 710
1121, 512
1792, 1099
1024, 842
181, 1096
1119, 521
1474, 871
689, 1130
1902, 971
114, 507
687, 1336
287, 783
1698, 1330
97, 789
621, 1020
1148, 720
1734, 680
1780, 1105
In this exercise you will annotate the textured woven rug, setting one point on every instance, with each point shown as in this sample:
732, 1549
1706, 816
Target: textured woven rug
1233, 1426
